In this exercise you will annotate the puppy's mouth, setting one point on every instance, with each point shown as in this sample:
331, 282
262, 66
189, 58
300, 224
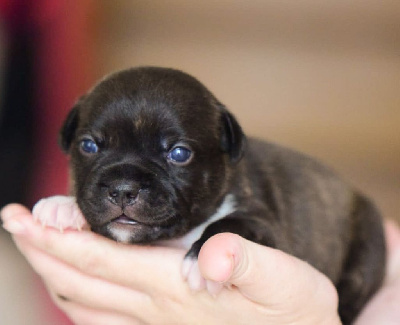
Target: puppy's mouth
125, 220
126, 229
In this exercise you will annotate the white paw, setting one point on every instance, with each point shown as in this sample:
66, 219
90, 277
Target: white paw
191, 273
60, 212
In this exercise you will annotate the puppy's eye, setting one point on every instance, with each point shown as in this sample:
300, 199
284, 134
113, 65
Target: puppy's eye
89, 146
180, 155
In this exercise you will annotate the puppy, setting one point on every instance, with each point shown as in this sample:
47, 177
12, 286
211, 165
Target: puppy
156, 158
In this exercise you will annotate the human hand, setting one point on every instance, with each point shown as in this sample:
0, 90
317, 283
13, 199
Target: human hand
98, 281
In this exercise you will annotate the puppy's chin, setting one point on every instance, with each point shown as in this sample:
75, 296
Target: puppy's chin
130, 232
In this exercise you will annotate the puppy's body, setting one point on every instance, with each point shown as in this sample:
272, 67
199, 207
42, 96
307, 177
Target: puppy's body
156, 158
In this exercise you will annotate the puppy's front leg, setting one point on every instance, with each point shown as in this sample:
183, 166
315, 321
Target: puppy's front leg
60, 212
252, 228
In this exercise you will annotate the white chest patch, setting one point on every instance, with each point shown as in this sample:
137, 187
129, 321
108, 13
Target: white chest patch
227, 207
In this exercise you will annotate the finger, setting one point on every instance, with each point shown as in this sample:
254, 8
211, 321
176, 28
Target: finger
382, 309
13, 210
82, 315
82, 289
98, 294
91, 254
262, 274
392, 232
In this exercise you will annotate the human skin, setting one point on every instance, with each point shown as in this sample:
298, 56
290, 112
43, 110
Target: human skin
111, 283
384, 307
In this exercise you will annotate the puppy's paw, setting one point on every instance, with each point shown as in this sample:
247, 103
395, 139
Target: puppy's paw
60, 212
191, 273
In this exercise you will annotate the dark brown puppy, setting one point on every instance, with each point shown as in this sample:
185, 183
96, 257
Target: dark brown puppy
156, 157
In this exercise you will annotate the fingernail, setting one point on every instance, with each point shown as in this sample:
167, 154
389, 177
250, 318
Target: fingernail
14, 227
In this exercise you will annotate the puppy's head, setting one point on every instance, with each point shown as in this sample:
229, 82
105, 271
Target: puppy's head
151, 154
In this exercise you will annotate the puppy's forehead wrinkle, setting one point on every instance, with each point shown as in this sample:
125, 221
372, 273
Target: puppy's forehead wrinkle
134, 114
163, 96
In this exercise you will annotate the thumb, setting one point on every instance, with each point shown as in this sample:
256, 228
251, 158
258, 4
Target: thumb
263, 274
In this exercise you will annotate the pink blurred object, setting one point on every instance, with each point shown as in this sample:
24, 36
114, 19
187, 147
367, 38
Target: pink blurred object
62, 34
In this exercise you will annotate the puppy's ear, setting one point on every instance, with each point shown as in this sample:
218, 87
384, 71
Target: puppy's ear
233, 140
69, 127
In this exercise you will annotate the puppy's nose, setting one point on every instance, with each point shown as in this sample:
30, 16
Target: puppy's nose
123, 194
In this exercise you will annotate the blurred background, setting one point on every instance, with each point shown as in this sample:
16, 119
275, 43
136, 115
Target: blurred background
322, 77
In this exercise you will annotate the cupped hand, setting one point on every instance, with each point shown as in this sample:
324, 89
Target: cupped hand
97, 281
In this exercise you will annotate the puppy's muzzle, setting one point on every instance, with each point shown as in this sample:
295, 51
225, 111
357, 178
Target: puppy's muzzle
121, 184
